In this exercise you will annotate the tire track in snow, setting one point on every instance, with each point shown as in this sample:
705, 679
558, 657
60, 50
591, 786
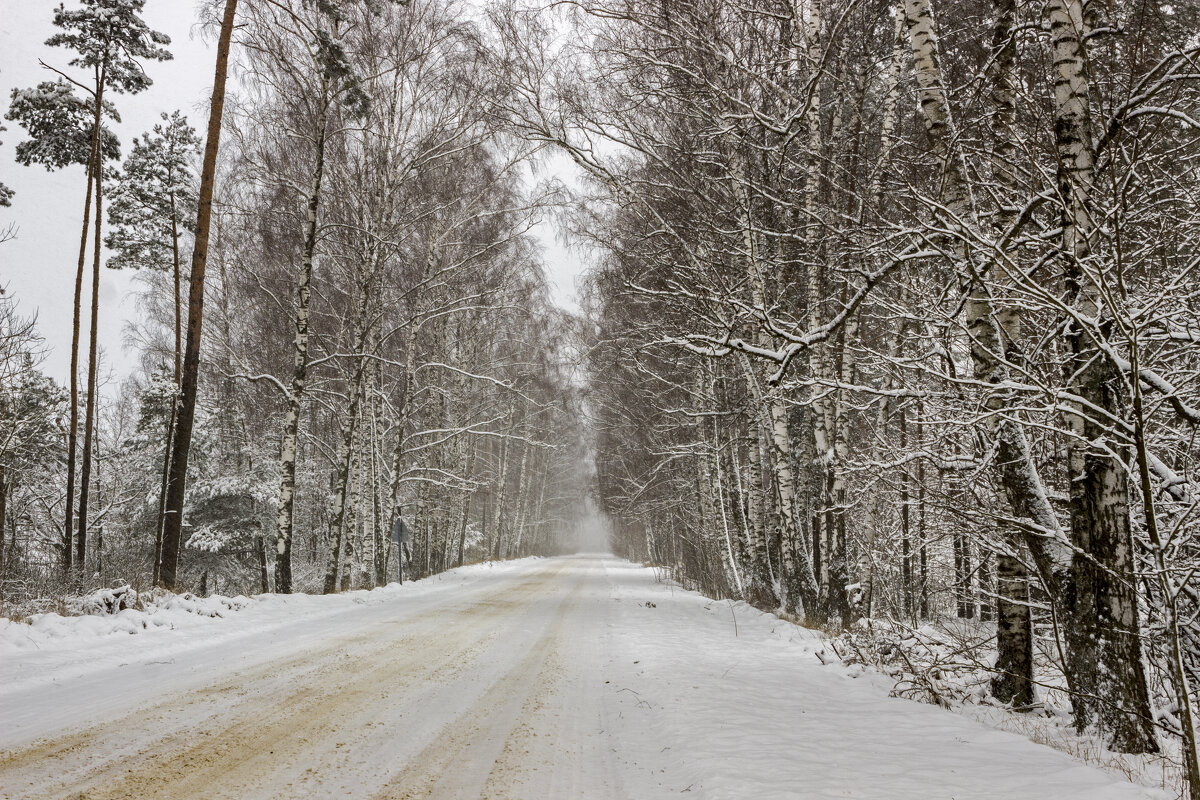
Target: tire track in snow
473, 751
560, 747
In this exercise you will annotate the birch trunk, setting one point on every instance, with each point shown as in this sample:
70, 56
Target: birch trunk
291, 422
341, 547
358, 525
1014, 682
465, 512
538, 508
822, 412
1105, 644
720, 483
762, 593
795, 569
1019, 475
407, 392
515, 539
338, 539
379, 528
799, 587
498, 499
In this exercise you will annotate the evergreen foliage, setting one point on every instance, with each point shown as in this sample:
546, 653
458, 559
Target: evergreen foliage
154, 200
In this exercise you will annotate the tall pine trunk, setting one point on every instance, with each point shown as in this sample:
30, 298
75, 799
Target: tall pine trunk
170, 431
173, 527
89, 418
73, 429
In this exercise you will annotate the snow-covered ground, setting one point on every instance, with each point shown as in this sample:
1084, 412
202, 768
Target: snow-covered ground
579, 677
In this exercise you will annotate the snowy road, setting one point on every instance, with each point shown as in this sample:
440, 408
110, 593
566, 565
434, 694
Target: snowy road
576, 677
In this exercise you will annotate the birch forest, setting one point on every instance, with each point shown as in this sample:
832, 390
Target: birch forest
887, 321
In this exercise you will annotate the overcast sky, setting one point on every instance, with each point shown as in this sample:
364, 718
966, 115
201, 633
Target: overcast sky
38, 267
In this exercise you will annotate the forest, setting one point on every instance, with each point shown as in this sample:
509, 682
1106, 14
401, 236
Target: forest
890, 322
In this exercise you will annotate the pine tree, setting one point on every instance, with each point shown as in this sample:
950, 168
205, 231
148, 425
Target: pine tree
111, 40
5, 192
59, 124
153, 205
154, 201
63, 131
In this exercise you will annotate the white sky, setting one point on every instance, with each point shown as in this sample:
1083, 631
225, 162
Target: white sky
38, 267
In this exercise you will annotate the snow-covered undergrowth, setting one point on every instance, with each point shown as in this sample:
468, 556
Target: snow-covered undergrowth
106, 612
804, 722
949, 664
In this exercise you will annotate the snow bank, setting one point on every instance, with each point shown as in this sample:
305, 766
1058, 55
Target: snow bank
108, 612
50, 646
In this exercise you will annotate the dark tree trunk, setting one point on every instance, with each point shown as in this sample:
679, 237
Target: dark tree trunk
922, 598
178, 367
89, 423
73, 429
985, 603
170, 432
263, 579
1014, 634
173, 526
3, 514
162, 490
962, 577
906, 563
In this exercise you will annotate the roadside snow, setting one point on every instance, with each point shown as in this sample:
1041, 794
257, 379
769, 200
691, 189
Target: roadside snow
762, 709
52, 647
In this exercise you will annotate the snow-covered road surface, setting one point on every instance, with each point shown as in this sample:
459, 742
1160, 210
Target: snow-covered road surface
578, 677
